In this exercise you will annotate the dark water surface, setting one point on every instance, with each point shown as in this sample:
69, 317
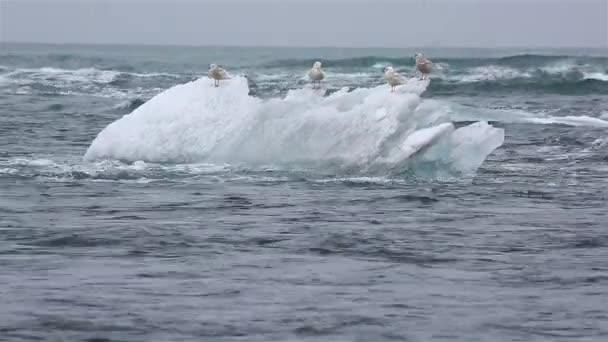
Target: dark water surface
194, 250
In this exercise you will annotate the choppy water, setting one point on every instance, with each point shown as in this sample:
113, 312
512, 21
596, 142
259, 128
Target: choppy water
264, 211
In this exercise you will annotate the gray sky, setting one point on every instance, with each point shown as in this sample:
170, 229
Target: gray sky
339, 23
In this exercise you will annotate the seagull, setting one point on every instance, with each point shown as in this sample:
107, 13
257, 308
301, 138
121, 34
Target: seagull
423, 65
316, 74
217, 73
392, 78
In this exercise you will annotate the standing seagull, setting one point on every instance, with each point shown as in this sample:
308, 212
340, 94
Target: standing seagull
423, 65
217, 74
392, 78
316, 74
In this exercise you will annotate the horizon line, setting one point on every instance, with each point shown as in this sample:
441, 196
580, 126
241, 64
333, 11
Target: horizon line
297, 46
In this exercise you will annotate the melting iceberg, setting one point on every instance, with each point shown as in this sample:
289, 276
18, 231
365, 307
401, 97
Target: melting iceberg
365, 129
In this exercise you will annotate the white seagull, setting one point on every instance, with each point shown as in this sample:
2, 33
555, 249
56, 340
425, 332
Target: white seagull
316, 74
423, 65
392, 78
217, 73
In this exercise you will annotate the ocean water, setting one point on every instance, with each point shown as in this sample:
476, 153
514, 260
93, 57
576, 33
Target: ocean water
139, 203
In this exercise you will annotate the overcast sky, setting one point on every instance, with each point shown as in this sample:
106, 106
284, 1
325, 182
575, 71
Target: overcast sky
338, 23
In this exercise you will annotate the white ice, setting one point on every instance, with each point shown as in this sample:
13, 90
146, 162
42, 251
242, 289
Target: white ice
196, 122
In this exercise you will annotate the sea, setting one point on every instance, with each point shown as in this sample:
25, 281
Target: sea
138, 202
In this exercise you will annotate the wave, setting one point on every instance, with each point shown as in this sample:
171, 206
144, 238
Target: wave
562, 70
523, 73
69, 170
106, 170
521, 60
84, 81
475, 82
535, 59
355, 62
470, 76
571, 121
85, 75
120, 63
129, 105
368, 130
463, 113
528, 85
560, 76
52, 58
77, 75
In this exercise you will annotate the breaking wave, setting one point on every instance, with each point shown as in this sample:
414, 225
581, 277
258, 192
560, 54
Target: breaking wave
356, 62
83, 81
536, 73
566, 75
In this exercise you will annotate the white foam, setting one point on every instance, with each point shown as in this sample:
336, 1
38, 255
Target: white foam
23, 90
8, 171
82, 75
596, 76
277, 76
501, 72
104, 170
75, 76
589, 72
358, 180
85, 81
153, 74
19, 161
491, 73
381, 65
560, 67
599, 143
571, 121
440, 108
195, 122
